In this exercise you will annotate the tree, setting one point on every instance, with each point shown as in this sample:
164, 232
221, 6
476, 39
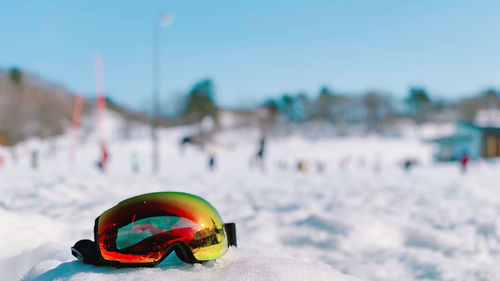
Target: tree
419, 103
287, 100
378, 109
324, 104
372, 103
200, 102
286, 105
15, 75
490, 99
272, 108
295, 106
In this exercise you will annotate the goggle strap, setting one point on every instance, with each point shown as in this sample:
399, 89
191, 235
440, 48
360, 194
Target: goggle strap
86, 251
231, 233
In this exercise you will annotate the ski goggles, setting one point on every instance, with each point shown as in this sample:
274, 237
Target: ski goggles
145, 229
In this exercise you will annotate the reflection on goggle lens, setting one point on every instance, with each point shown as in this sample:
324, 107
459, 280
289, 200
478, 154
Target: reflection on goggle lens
141, 229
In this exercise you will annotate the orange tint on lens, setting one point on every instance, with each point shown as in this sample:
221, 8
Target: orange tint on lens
140, 229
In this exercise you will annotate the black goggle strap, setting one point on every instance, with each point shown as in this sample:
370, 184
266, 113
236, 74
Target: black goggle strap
86, 250
231, 234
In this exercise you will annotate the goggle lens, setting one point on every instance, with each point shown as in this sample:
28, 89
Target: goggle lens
141, 229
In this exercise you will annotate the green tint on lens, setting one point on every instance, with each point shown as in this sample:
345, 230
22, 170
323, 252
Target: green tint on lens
139, 230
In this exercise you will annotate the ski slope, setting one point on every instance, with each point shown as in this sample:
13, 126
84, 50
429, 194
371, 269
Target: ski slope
363, 218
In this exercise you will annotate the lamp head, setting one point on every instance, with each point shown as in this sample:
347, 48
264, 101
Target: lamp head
166, 19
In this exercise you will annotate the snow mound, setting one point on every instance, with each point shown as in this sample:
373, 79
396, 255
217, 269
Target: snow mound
234, 265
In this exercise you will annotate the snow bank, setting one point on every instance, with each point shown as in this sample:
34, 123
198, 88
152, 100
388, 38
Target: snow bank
235, 265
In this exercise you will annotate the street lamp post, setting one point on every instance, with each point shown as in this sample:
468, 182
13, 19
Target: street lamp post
163, 21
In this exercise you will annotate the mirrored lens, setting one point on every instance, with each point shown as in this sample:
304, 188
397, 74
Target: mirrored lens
140, 229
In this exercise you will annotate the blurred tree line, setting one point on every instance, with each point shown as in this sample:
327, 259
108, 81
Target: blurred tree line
377, 111
31, 107
373, 109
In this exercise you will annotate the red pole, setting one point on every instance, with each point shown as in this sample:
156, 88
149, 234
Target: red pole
101, 107
77, 113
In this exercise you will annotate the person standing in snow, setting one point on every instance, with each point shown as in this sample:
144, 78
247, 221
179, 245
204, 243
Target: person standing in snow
212, 148
34, 159
464, 161
407, 164
211, 162
104, 158
344, 163
135, 162
320, 166
260, 152
302, 166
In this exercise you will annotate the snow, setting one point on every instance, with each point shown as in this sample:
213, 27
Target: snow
235, 265
364, 220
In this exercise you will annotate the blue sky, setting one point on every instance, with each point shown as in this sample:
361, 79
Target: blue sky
255, 49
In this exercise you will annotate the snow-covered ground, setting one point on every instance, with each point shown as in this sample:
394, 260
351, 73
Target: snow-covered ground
363, 216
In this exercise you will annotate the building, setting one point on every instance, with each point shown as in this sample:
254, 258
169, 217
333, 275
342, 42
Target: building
231, 118
475, 141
